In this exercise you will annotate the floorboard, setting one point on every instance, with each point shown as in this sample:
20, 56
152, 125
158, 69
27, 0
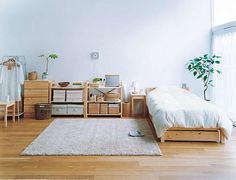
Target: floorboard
180, 160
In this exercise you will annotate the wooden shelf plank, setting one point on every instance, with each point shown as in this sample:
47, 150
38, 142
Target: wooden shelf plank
64, 102
103, 87
104, 101
68, 88
104, 114
67, 115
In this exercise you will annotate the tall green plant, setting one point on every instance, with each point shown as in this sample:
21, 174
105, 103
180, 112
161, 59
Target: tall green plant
203, 68
50, 56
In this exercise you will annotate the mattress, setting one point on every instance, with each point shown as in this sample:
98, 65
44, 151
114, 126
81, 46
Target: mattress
176, 107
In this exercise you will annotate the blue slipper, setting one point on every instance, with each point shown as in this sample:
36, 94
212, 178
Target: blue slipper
136, 133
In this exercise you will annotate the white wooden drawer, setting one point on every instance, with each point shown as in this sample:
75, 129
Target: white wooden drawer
59, 109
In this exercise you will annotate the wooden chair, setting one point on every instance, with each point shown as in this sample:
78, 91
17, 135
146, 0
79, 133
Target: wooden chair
4, 108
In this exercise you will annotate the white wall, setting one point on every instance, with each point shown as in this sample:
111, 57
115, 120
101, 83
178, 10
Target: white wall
148, 41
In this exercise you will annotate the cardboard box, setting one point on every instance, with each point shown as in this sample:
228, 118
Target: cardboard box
114, 109
93, 108
126, 109
103, 108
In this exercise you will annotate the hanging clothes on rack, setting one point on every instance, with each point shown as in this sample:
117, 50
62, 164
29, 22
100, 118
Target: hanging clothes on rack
11, 79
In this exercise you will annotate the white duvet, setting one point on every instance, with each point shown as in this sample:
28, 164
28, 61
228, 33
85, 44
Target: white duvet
175, 107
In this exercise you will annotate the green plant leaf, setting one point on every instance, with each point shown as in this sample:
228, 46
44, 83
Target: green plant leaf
205, 78
196, 60
53, 56
199, 76
219, 72
189, 67
217, 62
195, 73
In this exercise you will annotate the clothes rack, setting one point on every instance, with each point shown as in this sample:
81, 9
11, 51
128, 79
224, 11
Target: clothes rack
11, 61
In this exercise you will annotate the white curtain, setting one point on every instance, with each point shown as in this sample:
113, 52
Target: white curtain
224, 92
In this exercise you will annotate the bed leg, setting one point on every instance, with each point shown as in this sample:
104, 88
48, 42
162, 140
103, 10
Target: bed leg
222, 138
163, 139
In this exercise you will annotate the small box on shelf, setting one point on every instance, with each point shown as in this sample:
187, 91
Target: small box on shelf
114, 108
93, 108
104, 109
112, 97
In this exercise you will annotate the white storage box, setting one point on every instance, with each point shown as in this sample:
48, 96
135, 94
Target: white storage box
74, 94
58, 99
74, 100
74, 109
112, 80
59, 95
59, 91
59, 109
74, 91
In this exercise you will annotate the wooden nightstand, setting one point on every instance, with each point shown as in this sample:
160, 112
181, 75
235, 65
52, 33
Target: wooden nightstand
136, 97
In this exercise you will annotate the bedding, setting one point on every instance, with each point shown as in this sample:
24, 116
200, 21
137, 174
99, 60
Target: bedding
176, 107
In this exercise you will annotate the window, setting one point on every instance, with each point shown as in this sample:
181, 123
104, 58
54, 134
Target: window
224, 11
224, 45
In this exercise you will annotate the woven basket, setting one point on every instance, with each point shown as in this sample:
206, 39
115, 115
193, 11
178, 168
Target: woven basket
112, 97
33, 75
43, 111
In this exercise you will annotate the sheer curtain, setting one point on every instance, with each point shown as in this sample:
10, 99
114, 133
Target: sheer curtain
224, 92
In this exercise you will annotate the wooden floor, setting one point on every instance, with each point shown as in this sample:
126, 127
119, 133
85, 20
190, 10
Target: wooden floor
180, 160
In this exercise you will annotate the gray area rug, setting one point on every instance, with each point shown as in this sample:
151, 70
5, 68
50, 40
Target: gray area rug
94, 137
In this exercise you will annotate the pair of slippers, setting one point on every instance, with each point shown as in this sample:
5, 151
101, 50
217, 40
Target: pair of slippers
136, 133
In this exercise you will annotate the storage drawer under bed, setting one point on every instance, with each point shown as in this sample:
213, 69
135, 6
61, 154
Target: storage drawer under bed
194, 135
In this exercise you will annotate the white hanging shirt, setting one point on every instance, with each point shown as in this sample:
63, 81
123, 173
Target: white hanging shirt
10, 82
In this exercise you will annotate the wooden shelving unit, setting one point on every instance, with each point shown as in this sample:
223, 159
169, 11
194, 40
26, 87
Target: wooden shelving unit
86, 102
102, 91
82, 88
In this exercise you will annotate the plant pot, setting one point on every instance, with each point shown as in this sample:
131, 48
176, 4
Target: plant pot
33, 75
45, 76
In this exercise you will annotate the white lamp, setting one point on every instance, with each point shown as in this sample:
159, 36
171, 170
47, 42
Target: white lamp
125, 93
134, 87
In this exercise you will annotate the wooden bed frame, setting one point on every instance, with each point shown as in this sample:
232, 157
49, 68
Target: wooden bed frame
189, 134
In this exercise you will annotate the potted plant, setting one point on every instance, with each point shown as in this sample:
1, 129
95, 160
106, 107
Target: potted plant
47, 58
203, 68
97, 80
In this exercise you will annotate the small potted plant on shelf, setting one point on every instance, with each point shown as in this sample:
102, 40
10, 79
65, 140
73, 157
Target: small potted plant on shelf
96, 82
47, 58
203, 68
